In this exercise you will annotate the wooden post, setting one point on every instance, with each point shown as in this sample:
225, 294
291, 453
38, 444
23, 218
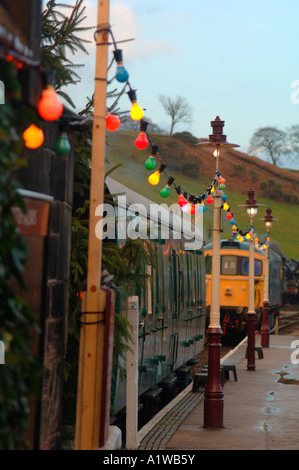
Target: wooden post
92, 331
132, 377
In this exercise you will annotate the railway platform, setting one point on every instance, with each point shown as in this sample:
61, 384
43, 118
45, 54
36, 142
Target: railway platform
261, 408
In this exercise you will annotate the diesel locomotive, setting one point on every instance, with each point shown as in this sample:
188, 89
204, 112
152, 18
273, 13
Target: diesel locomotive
234, 269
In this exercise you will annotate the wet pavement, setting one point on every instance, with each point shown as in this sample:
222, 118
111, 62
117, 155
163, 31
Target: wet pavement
261, 409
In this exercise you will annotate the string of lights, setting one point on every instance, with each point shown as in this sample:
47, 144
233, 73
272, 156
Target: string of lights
50, 108
188, 203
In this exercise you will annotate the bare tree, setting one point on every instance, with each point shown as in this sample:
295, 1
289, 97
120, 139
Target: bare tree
177, 108
293, 136
271, 140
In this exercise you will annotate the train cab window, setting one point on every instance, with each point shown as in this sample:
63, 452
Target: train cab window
258, 267
229, 265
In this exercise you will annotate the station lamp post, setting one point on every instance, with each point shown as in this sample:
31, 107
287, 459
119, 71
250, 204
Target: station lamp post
252, 207
213, 398
265, 331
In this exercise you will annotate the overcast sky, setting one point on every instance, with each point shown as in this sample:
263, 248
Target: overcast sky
236, 59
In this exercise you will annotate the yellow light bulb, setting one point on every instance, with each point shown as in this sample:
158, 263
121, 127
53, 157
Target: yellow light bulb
154, 178
212, 190
136, 112
225, 206
234, 227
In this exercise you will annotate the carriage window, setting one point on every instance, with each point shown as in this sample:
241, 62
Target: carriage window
258, 267
229, 265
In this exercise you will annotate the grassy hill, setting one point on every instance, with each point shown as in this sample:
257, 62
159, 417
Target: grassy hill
193, 168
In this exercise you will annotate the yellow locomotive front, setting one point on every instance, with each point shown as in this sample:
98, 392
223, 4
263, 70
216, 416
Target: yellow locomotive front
234, 268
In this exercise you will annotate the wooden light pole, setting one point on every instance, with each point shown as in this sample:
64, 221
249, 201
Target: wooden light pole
91, 363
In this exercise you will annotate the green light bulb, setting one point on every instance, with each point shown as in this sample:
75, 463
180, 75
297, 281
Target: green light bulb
62, 146
165, 191
150, 163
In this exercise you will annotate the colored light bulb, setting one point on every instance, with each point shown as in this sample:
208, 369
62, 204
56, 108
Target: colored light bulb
186, 209
229, 216
232, 221
234, 234
150, 163
33, 137
121, 75
154, 178
136, 112
165, 191
221, 186
193, 209
141, 142
221, 180
112, 122
209, 199
225, 206
224, 197
62, 146
182, 201
234, 227
201, 208
50, 107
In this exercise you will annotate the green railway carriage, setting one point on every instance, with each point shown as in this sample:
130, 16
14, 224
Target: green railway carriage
171, 307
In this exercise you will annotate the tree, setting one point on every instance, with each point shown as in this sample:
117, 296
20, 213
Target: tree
177, 108
60, 32
271, 140
293, 137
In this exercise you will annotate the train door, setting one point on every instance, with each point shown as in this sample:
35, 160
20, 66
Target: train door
161, 321
173, 295
199, 303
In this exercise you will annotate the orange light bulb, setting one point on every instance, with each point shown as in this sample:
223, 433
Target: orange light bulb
112, 122
33, 137
50, 107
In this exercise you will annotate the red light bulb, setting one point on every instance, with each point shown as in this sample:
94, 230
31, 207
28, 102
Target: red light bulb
50, 107
112, 122
193, 209
229, 216
141, 142
221, 180
182, 201
209, 199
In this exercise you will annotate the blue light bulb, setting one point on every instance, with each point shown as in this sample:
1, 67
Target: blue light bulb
121, 74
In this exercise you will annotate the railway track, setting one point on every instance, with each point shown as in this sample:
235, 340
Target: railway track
288, 323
